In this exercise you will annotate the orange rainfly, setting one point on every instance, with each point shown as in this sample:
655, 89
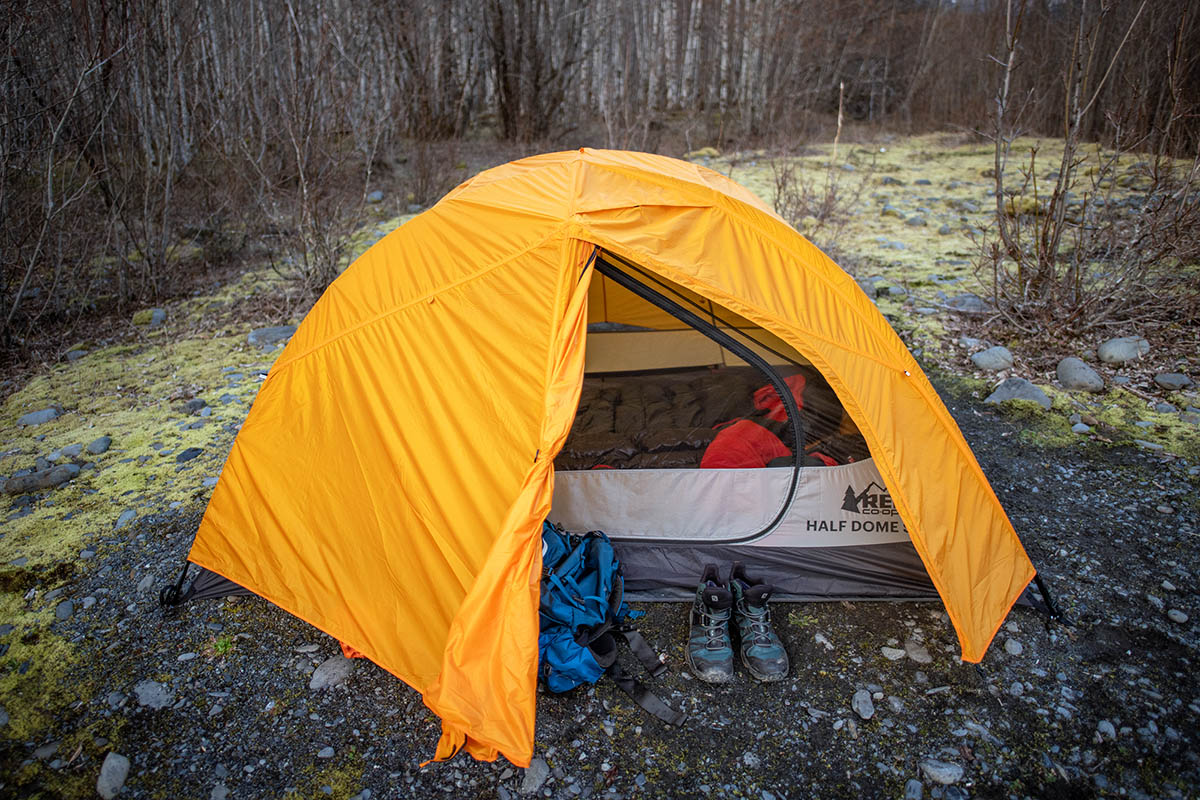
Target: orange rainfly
389, 484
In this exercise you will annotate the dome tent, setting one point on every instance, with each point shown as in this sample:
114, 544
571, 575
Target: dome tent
389, 483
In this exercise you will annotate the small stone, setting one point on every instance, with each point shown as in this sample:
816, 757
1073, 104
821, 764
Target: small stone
1079, 427
942, 772
969, 342
1148, 445
862, 704
99, 446
113, 773
64, 610
1018, 389
332, 672
1172, 381
41, 417
751, 760
1075, 375
914, 789
892, 653
269, 337
194, 405
917, 652
1164, 509
75, 355
3, 717
1013, 647
153, 694
189, 454
1106, 730
45, 751
1122, 349
890, 210
325, 752
916, 221
535, 775
993, 359
945, 230
375, 196
127, 516
1165, 408
1175, 615
219, 792
1167, 586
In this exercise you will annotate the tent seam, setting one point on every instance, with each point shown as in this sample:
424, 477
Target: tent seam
279, 367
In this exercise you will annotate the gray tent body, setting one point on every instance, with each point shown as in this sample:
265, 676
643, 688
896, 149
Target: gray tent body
840, 537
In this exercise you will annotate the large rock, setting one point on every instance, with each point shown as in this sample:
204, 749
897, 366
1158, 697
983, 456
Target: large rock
1122, 349
1074, 374
942, 772
42, 416
862, 704
993, 359
113, 773
1173, 381
1018, 389
153, 695
42, 479
269, 337
967, 304
333, 671
535, 775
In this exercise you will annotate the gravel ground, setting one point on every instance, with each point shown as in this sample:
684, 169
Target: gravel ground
215, 700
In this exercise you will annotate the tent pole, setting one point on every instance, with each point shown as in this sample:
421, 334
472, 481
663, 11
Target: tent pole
173, 595
1053, 612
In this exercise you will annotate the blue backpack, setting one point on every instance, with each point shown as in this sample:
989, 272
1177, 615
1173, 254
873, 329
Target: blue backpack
581, 607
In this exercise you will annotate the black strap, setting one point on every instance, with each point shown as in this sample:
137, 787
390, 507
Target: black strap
649, 701
642, 650
604, 650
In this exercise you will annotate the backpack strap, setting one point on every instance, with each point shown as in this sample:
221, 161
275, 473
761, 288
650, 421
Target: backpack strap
642, 650
604, 650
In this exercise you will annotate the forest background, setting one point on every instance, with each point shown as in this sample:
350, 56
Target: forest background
148, 148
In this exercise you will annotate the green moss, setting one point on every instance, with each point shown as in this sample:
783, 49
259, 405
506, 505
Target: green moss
34, 685
344, 777
143, 317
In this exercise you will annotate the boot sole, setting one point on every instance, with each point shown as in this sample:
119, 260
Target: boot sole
699, 677
763, 677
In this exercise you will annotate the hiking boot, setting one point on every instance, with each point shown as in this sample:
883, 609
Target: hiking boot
762, 652
709, 651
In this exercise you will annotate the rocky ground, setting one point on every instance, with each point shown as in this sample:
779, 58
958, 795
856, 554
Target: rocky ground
235, 698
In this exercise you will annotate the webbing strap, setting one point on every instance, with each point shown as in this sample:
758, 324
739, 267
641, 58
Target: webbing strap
649, 701
642, 650
604, 650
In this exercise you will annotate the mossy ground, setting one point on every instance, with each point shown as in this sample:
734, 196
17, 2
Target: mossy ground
134, 391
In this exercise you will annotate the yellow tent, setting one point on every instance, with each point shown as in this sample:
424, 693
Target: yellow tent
390, 481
